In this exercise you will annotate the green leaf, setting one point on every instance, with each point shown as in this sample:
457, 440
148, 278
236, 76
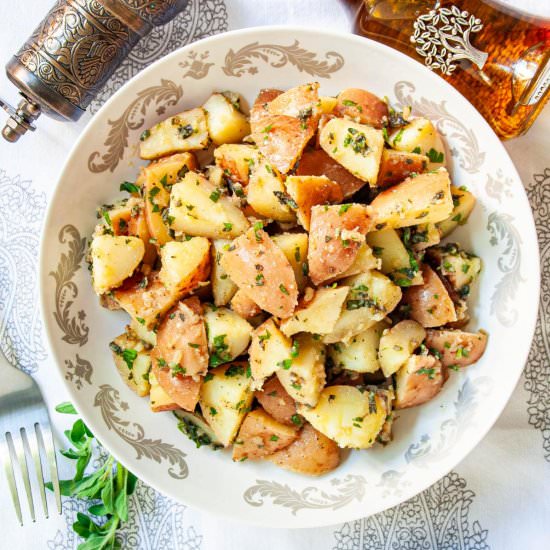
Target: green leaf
107, 495
97, 510
78, 432
70, 453
129, 186
66, 408
81, 464
121, 504
131, 484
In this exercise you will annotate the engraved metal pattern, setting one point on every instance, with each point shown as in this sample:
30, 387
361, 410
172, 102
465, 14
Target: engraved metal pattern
199, 19
76, 48
442, 37
157, 12
112, 409
73, 325
346, 490
240, 62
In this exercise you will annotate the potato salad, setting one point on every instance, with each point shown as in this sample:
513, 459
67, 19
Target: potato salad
288, 273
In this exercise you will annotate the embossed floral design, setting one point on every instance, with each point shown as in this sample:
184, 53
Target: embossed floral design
133, 117
240, 62
78, 371
196, 65
436, 518
109, 402
537, 371
22, 211
504, 233
352, 487
469, 398
75, 330
471, 158
393, 483
499, 186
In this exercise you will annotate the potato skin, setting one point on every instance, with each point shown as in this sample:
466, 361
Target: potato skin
280, 133
418, 380
244, 306
277, 402
260, 436
395, 166
146, 305
308, 191
181, 341
456, 347
362, 106
430, 302
315, 162
257, 265
312, 454
336, 233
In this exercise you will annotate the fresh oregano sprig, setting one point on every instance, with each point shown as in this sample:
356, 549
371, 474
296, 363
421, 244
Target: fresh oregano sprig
107, 489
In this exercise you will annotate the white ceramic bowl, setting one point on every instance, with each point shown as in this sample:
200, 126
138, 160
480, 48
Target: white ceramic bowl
429, 440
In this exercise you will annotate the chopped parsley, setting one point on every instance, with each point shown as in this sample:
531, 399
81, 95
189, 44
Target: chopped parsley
435, 156
429, 372
186, 131
129, 356
357, 141
219, 353
283, 289
129, 187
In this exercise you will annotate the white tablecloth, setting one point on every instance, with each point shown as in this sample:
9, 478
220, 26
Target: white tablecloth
497, 498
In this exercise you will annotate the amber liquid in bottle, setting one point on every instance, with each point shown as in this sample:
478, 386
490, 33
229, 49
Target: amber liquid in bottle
496, 57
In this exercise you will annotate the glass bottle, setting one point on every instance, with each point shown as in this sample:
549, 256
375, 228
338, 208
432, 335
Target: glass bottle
496, 56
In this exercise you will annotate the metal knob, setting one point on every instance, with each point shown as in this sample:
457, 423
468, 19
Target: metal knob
71, 54
21, 119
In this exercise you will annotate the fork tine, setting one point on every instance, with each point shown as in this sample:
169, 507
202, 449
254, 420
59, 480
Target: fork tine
45, 441
8, 456
32, 442
22, 459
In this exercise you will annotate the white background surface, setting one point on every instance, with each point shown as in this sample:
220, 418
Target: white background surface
507, 472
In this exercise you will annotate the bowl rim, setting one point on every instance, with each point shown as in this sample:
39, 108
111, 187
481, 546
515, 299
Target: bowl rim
97, 427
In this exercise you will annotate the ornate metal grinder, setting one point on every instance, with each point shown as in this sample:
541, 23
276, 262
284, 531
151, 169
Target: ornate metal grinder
72, 53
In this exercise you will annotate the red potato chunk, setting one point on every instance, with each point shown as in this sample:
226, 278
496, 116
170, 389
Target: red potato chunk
181, 354
244, 306
283, 126
430, 302
146, 299
336, 233
260, 435
362, 106
312, 454
277, 402
457, 348
396, 166
418, 380
259, 267
318, 163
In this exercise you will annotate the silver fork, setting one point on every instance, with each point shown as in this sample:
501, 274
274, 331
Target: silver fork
25, 432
